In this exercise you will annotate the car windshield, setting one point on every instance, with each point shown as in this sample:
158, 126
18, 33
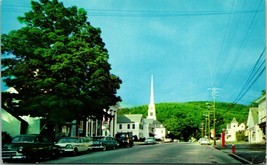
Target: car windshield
68, 140
23, 139
98, 138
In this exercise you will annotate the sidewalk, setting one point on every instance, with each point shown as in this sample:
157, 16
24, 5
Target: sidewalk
246, 152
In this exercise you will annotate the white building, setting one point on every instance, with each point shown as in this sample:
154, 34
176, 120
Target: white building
152, 127
15, 125
131, 123
142, 127
232, 129
257, 122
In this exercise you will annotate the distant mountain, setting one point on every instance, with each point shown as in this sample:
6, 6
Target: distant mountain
184, 120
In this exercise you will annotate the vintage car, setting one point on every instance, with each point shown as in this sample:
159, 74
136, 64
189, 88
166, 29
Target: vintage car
150, 140
104, 143
125, 139
32, 147
204, 141
74, 145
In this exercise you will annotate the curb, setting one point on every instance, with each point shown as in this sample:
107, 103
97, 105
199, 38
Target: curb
235, 156
240, 158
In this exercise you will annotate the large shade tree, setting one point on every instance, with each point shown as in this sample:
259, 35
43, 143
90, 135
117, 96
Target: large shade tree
59, 64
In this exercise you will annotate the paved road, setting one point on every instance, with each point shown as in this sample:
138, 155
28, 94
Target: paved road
159, 153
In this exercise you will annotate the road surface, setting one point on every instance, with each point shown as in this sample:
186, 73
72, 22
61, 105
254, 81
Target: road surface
158, 153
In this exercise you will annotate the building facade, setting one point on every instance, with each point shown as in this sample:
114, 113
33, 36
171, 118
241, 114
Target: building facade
232, 129
256, 122
131, 123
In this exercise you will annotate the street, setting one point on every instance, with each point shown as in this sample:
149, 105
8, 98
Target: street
158, 153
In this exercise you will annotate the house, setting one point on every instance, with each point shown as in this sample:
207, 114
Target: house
232, 129
131, 123
257, 121
253, 127
14, 124
11, 124
160, 131
262, 117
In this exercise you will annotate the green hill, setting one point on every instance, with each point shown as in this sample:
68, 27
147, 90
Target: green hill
184, 120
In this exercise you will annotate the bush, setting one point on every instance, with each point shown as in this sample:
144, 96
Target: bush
240, 136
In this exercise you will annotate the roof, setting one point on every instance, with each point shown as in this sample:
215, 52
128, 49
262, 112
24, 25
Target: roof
261, 99
11, 90
129, 118
234, 120
252, 117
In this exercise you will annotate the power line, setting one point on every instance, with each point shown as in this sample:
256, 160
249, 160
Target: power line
137, 13
243, 43
252, 77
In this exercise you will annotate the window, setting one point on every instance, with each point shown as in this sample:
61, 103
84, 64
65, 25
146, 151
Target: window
120, 126
133, 126
128, 126
151, 113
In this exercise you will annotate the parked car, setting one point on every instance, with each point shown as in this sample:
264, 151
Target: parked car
74, 145
104, 143
150, 140
31, 147
167, 140
204, 141
125, 139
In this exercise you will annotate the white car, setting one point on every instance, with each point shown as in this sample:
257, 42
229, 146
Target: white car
74, 145
167, 140
204, 141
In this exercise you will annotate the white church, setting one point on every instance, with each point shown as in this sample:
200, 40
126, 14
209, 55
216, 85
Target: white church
143, 127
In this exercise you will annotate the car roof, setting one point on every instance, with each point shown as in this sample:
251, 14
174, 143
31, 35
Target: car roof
28, 135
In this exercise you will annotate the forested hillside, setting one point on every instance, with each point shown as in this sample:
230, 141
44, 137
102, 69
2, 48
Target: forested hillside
184, 120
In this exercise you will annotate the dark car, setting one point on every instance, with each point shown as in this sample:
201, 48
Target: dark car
104, 143
30, 147
125, 139
150, 140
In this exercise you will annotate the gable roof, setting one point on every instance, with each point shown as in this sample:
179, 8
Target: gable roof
261, 99
129, 118
252, 117
234, 120
11, 90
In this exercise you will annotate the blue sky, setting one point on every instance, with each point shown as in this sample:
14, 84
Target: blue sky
188, 45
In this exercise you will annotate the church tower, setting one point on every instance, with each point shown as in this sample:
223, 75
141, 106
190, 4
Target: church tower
151, 108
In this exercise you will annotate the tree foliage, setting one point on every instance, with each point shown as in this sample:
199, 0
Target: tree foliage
58, 63
184, 120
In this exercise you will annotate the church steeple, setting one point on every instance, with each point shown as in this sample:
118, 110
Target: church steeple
151, 91
151, 107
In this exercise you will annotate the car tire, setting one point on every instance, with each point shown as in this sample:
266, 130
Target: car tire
75, 152
54, 154
104, 148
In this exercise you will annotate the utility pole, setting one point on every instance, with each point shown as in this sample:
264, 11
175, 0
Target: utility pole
214, 94
208, 110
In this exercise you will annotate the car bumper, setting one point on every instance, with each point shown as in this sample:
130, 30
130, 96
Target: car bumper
62, 151
97, 147
12, 155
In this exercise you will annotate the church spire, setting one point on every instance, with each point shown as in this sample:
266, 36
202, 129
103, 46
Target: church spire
151, 107
151, 91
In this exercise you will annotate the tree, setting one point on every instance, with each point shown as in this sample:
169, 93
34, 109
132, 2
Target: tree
59, 64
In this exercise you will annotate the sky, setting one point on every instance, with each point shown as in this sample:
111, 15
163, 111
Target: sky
189, 46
